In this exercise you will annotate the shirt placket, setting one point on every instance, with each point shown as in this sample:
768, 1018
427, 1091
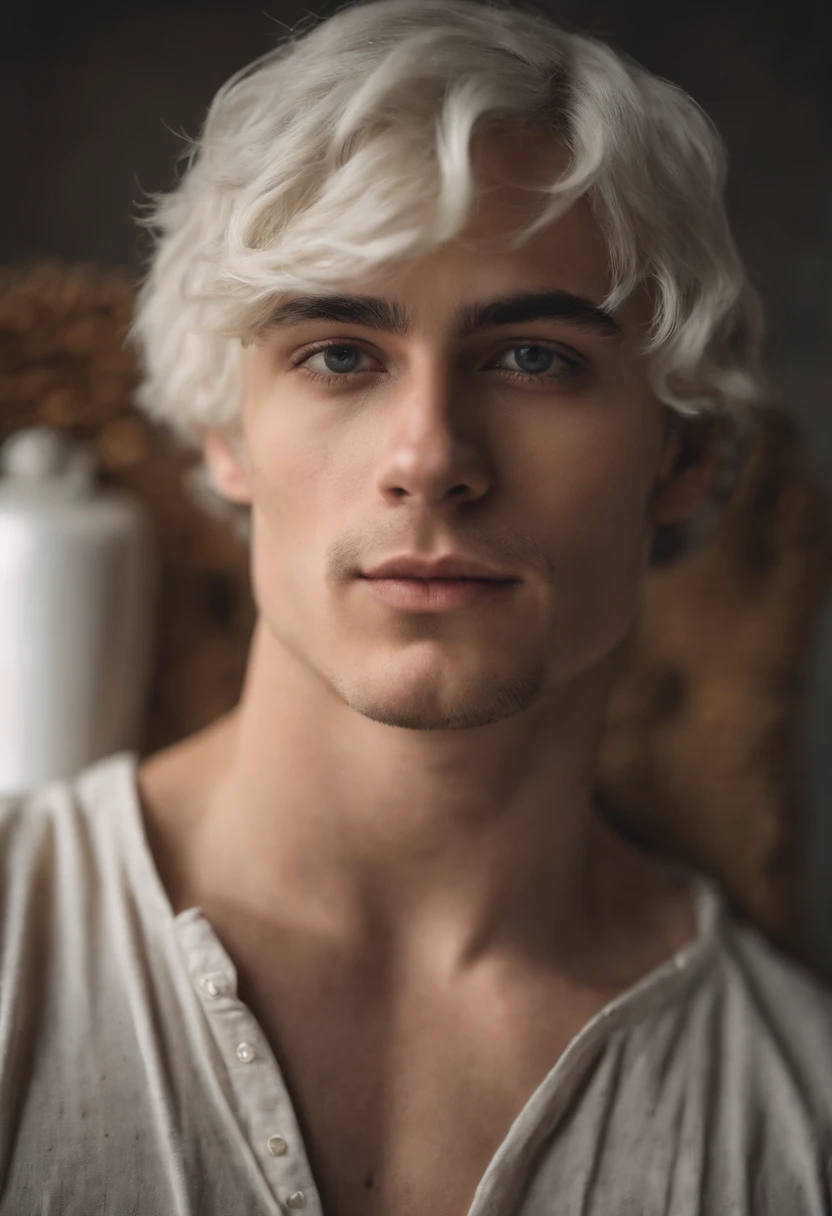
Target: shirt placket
264, 1109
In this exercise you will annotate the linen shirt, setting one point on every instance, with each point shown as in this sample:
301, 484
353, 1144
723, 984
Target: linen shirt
134, 1082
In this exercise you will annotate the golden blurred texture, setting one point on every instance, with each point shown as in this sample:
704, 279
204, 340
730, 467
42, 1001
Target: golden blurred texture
701, 758
703, 752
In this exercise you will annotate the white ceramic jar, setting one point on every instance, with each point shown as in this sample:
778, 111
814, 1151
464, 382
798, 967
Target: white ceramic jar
75, 612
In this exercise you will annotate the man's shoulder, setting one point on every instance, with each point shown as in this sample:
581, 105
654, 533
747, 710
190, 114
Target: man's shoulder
772, 979
777, 1015
29, 823
71, 794
42, 829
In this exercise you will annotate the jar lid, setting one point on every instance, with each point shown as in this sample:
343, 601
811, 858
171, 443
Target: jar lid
42, 462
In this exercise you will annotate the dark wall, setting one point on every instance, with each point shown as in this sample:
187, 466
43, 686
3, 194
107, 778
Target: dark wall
93, 104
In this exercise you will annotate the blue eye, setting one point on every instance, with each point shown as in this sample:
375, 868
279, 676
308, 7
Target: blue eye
540, 362
533, 358
339, 358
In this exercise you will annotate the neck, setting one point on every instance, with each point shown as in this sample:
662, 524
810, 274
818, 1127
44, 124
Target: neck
464, 841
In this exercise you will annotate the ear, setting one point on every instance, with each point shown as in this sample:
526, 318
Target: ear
226, 462
688, 469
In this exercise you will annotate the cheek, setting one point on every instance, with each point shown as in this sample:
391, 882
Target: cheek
292, 465
590, 476
588, 489
299, 501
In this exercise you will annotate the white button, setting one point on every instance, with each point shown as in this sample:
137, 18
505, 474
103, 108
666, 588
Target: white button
296, 1200
209, 987
277, 1146
245, 1053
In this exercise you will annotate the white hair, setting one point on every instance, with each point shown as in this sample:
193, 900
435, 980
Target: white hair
348, 148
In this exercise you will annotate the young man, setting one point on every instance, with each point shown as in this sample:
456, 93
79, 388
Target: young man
449, 299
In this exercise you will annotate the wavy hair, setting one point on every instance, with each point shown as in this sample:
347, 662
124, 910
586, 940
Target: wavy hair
383, 99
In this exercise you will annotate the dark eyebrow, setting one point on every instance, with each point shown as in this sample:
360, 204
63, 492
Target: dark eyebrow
370, 311
537, 306
373, 312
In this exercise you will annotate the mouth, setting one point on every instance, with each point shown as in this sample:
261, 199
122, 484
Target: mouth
436, 594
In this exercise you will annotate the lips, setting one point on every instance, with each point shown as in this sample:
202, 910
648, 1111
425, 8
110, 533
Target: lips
449, 568
438, 594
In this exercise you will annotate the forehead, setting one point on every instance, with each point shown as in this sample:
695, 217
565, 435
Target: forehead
512, 171
515, 172
474, 281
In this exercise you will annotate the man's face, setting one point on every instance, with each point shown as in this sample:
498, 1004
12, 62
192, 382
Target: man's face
533, 446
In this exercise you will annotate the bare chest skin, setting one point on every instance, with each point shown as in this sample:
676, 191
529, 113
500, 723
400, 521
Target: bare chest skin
402, 1100
404, 1089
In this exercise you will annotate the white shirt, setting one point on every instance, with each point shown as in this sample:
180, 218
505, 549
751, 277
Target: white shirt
133, 1082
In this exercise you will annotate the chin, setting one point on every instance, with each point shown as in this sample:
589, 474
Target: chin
430, 704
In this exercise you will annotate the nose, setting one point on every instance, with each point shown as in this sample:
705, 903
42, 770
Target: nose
434, 450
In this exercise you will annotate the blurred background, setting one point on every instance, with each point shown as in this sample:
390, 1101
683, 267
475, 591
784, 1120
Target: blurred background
95, 100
